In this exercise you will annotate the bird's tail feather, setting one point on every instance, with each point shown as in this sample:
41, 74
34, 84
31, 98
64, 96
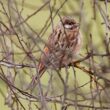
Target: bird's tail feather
36, 78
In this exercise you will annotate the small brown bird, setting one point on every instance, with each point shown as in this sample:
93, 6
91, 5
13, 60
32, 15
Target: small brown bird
62, 47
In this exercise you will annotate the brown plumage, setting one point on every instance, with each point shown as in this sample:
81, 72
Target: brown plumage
63, 45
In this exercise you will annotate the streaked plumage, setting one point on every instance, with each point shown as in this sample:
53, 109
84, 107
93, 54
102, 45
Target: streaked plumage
63, 45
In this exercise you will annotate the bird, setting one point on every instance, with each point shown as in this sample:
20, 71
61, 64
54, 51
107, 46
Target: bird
62, 47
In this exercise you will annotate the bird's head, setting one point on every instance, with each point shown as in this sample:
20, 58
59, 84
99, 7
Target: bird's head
69, 23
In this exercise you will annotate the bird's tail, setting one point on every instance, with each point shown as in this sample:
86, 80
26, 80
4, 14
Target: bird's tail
41, 70
36, 78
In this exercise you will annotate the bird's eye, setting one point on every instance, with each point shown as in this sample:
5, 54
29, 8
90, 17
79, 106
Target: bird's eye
70, 23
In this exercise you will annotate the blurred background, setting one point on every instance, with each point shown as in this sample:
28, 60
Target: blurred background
25, 26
